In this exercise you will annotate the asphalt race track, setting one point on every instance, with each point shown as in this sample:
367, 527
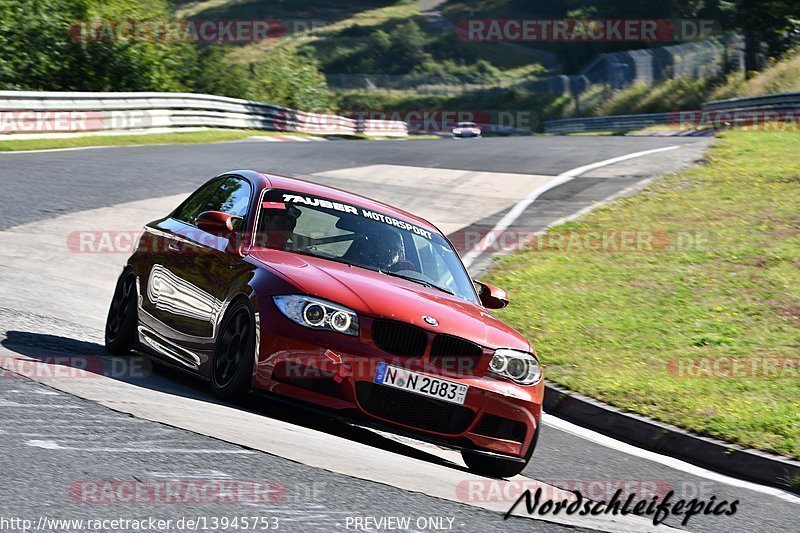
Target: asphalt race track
62, 436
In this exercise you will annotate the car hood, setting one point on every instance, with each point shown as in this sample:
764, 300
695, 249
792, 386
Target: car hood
388, 297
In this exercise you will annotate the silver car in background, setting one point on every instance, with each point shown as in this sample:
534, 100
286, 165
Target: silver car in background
467, 130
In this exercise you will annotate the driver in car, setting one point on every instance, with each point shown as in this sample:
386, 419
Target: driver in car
387, 252
279, 228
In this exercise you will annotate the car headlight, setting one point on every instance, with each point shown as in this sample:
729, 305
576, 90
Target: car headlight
520, 367
318, 314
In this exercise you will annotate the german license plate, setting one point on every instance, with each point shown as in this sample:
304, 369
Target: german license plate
440, 389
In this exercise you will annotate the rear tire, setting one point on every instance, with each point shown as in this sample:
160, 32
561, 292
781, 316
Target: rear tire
122, 317
234, 353
496, 467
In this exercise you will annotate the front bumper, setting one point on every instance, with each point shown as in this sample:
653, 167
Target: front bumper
497, 416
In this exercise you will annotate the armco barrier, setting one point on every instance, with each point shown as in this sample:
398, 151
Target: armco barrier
611, 123
719, 113
768, 101
382, 128
53, 112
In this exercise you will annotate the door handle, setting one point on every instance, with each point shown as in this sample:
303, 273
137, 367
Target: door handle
174, 247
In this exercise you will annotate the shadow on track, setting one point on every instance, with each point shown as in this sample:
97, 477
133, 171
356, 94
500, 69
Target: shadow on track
142, 371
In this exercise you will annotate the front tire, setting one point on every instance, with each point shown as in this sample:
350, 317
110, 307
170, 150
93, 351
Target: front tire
234, 354
497, 467
122, 316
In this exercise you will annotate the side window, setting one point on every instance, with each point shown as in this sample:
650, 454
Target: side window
190, 208
232, 197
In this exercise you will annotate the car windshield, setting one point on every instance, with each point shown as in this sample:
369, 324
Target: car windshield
361, 237
466, 125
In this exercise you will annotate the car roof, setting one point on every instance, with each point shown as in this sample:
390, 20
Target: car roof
277, 181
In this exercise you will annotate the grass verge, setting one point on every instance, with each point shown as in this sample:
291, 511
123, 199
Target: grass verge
128, 140
672, 330
207, 136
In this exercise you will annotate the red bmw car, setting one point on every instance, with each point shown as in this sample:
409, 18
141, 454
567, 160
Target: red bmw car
271, 284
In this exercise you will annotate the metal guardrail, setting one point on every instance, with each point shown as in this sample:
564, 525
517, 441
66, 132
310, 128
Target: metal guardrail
610, 123
31, 112
717, 114
767, 101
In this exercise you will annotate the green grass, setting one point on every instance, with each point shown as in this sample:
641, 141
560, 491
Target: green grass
208, 136
606, 324
782, 76
127, 140
672, 95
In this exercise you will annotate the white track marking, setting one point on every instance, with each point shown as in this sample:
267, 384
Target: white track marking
16, 405
37, 392
194, 474
627, 191
254, 431
520, 207
453, 198
665, 460
300, 444
53, 445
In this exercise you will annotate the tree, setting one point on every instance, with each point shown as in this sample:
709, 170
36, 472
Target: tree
775, 23
292, 80
216, 74
41, 48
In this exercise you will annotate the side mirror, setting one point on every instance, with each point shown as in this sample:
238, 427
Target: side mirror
218, 223
492, 297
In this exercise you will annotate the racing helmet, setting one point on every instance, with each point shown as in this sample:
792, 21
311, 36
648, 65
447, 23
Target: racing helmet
387, 248
279, 226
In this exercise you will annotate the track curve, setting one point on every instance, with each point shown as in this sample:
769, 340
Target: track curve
54, 303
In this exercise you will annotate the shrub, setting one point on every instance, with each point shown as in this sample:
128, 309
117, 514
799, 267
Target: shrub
293, 80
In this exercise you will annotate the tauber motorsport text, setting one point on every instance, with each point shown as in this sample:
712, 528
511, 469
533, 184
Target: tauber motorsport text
329, 204
659, 510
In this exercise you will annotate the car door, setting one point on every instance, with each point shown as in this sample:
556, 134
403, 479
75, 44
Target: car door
155, 261
197, 272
